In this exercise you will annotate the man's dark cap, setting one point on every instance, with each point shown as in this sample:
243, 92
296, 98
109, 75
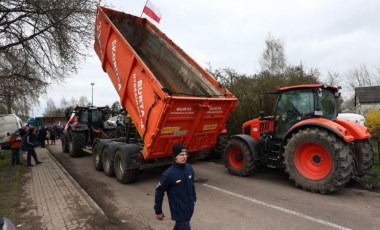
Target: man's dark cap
178, 148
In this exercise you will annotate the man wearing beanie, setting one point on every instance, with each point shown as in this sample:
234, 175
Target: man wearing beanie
178, 183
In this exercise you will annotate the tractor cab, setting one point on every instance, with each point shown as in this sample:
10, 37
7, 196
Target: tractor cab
295, 104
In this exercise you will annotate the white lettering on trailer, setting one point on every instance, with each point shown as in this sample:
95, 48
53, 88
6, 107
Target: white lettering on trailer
185, 109
182, 111
139, 102
114, 42
217, 109
98, 36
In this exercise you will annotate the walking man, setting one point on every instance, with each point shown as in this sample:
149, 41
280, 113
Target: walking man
178, 183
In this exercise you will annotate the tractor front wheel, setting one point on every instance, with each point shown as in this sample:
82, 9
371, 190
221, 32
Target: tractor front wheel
318, 161
364, 157
238, 158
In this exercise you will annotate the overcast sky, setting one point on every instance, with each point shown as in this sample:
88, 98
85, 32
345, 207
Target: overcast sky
331, 35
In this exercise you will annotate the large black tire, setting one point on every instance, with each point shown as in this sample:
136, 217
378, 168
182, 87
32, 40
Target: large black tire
77, 141
318, 161
122, 175
220, 146
238, 158
97, 157
65, 142
107, 158
364, 157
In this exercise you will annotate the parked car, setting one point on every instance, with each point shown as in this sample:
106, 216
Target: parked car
352, 117
8, 124
6, 224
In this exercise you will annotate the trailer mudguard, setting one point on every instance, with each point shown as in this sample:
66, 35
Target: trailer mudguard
330, 125
251, 143
130, 155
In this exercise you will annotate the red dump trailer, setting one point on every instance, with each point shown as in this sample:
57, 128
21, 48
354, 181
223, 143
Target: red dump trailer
167, 95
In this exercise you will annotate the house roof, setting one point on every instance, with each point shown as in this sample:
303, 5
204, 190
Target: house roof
369, 94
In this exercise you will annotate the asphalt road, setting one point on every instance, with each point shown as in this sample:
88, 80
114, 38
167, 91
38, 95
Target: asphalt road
265, 200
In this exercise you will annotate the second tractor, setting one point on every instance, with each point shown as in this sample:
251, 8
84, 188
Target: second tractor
319, 152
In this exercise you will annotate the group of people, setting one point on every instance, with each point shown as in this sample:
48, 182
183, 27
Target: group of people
24, 139
47, 134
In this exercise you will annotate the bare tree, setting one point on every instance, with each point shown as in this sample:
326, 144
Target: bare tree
332, 78
50, 35
360, 76
19, 82
273, 58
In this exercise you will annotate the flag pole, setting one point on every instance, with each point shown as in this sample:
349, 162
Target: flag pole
143, 8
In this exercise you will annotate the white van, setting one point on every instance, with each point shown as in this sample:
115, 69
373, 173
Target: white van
8, 124
352, 117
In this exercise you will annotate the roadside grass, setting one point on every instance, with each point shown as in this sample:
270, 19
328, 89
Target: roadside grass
10, 189
374, 179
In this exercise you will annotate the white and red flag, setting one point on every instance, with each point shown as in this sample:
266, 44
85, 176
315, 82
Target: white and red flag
152, 11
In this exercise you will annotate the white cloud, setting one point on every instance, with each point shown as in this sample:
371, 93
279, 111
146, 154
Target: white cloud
332, 35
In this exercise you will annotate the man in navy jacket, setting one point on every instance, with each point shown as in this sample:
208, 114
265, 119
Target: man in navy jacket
178, 182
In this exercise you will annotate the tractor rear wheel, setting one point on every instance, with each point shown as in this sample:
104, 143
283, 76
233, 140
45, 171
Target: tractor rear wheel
77, 141
364, 157
318, 161
238, 158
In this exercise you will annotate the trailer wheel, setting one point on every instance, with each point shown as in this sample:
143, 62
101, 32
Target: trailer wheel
122, 175
318, 161
77, 141
238, 158
65, 143
364, 157
220, 146
97, 158
108, 161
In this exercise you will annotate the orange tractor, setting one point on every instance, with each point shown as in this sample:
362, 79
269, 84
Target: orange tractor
319, 152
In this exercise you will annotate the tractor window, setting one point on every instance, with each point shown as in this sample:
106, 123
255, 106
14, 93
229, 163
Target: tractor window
292, 107
326, 103
83, 116
97, 118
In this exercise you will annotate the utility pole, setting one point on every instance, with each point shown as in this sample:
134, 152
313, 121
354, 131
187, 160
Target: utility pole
92, 94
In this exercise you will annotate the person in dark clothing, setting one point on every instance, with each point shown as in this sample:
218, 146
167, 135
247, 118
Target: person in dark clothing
52, 136
29, 143
15, 142
178, 183
41, 135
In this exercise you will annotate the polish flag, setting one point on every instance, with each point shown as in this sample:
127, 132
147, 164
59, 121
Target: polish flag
71, 120
152, 11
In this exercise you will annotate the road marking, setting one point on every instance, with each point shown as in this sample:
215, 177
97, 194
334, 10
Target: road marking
279, 208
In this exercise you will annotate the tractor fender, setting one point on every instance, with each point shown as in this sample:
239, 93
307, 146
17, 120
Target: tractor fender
250, 142
326, 124
78, 127
360, 132
130, 155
